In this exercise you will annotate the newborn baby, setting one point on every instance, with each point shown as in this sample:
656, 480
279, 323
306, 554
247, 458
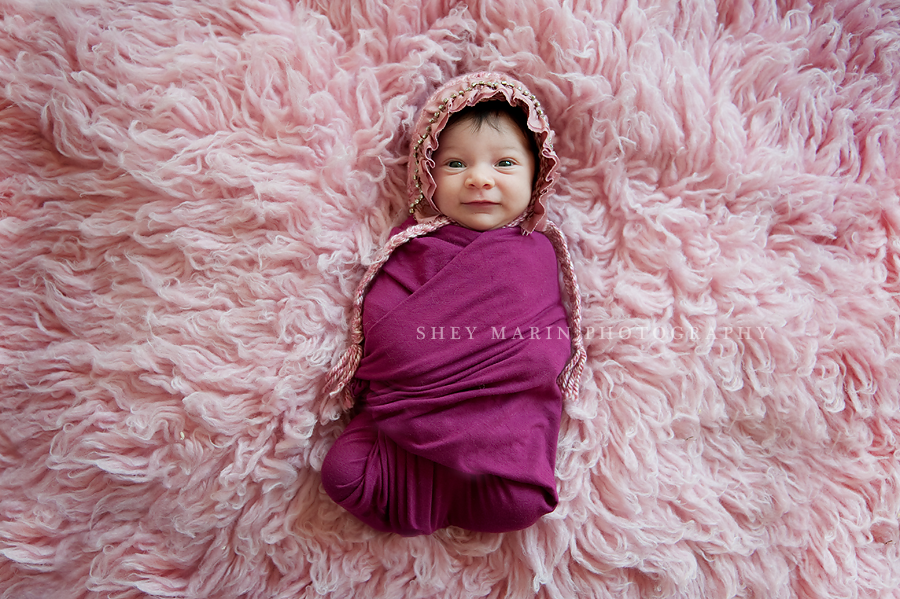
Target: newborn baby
462, 352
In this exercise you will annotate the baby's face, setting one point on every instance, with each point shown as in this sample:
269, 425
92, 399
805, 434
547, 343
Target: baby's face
484, 177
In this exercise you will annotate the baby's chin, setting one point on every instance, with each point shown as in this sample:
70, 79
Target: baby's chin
474, 225
483, 228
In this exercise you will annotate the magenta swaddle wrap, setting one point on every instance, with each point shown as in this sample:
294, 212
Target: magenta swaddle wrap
465, 336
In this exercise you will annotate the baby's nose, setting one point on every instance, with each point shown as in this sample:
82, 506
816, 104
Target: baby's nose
480, 176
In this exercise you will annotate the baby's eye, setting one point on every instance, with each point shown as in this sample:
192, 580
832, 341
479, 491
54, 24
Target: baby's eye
455, 164
506, 162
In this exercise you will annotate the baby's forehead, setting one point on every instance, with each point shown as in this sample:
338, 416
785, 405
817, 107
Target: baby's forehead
475, 121
500, 128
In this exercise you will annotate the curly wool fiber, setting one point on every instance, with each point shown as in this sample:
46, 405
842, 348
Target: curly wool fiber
191, 192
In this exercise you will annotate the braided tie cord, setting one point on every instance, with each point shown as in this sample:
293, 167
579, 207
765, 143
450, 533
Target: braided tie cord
570, 378
338, 379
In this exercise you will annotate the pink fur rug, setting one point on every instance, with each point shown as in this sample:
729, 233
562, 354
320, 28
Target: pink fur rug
189, 193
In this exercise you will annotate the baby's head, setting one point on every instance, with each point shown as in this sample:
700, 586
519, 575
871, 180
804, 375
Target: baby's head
485, 166
482, 155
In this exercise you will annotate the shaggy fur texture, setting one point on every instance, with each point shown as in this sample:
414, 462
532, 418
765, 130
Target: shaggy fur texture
190, 191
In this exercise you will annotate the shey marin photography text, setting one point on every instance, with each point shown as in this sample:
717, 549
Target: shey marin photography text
622, 333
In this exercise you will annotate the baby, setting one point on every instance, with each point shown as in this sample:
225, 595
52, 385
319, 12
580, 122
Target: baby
461, 350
